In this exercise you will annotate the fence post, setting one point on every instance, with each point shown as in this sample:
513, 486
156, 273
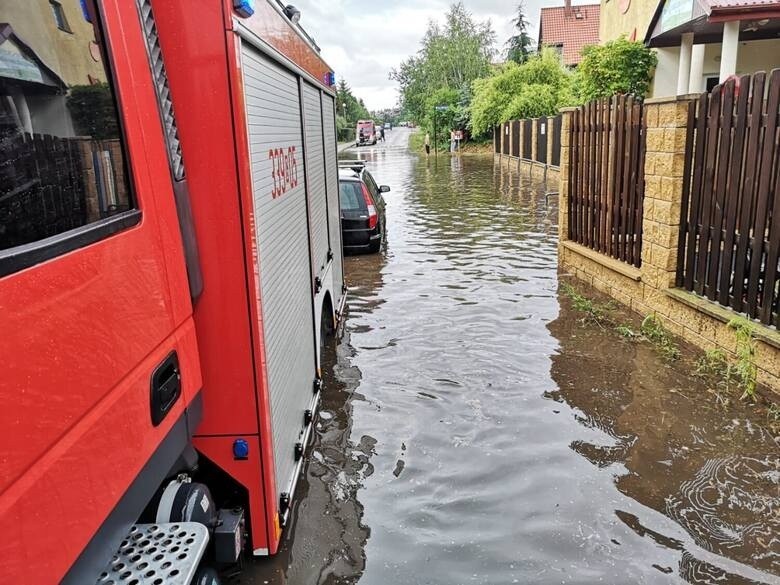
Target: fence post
565, 170
666, 121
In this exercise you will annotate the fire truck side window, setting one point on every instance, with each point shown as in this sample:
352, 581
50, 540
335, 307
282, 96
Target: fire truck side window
62, 161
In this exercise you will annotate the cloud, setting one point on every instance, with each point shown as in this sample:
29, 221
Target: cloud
362, 41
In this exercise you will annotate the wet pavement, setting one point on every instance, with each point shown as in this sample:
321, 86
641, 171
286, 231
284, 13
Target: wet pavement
473, 430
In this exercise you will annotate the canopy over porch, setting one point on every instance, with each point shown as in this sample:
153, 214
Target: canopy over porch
691, 24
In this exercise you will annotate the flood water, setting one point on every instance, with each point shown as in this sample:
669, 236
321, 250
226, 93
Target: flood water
474, 431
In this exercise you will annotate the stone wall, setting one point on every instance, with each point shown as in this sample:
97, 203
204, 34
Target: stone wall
651, 288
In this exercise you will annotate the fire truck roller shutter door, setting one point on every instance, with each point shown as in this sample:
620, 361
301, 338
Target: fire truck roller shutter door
315, 165
277, 164
332, 184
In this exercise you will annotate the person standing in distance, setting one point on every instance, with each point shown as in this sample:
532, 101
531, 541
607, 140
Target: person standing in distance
427, 144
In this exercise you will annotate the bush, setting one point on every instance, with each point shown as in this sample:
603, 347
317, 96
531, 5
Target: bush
618, 67
93, 111
538, 87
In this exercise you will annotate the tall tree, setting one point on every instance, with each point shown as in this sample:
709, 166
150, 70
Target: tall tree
520, 46
451, 56
348, 106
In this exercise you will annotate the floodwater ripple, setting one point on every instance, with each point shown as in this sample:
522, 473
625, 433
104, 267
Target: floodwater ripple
475, 432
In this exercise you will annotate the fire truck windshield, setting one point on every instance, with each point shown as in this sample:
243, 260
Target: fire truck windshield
62, 162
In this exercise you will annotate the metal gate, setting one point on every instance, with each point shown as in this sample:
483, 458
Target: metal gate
556, 141
542, 130
315, 177
332, 185
527, 131
274, 130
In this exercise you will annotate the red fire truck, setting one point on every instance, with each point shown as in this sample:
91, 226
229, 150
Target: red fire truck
170, 269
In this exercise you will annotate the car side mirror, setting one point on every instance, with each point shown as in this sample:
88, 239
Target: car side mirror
384, 189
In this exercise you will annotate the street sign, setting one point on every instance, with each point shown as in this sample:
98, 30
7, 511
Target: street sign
442, 108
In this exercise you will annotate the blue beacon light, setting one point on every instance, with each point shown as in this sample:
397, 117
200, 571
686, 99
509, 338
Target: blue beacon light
240, 449
244, 8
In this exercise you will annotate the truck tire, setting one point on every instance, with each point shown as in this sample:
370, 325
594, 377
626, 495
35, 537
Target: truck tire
206, 576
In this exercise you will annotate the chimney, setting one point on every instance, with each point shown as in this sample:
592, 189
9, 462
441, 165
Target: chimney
567, 5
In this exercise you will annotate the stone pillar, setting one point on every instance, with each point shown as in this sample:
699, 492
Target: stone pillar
667, 121
696, 79
563, 181
728, 55
684, 69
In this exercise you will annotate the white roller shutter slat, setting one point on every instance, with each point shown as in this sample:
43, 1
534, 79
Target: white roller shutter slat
334, 207
315, 166
277, 163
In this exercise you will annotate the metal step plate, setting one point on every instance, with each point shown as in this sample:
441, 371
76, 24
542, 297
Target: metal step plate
157, 554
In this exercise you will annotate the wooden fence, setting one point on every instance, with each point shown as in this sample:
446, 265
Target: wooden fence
49, 185
606, 177
529, 139
730, 228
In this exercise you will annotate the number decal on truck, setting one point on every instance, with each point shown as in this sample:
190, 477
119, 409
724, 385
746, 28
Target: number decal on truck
284, 170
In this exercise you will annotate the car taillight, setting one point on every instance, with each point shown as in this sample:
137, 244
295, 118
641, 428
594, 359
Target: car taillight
372, 216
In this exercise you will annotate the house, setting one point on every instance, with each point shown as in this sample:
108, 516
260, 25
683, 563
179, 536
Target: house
569, 29
699, 43
46, 48
625, 17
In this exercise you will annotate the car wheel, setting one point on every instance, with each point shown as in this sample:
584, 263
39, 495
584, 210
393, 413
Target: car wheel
375, 246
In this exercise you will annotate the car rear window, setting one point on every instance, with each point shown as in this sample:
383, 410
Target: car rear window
351, 196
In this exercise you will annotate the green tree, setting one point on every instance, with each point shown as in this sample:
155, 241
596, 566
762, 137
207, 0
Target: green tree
348, 106
618, 67
520, 45
451, 56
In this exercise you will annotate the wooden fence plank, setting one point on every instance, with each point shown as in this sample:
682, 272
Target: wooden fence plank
748, 186
732, 199
720, 188
710, 161
765, 181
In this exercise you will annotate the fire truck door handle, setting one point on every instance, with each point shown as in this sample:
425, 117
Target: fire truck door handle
165, 388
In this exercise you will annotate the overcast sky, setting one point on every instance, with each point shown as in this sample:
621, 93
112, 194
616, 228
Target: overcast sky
364, 40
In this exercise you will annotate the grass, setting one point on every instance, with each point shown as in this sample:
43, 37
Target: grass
653, 330
724, 374
598, 313
745, 368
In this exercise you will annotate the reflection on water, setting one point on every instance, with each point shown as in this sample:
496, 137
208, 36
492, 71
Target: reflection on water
475, 432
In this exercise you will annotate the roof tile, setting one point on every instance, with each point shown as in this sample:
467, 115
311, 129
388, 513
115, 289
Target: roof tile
556, 28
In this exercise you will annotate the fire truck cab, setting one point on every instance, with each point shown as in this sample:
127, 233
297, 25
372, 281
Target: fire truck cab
170, 270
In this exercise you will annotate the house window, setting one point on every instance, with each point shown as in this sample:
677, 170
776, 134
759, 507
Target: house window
59, 16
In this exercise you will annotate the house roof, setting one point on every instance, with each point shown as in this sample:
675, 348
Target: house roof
574, 30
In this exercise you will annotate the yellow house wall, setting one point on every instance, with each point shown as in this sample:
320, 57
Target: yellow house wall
65, 53
613, 23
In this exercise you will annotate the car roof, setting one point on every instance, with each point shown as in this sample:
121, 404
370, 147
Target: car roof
348, 174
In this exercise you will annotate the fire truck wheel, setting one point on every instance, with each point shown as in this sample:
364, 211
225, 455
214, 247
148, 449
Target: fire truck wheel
187, 502
206, 576
326, 326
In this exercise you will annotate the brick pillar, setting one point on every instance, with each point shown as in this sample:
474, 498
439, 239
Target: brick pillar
667, 122
534, 130
563, 182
